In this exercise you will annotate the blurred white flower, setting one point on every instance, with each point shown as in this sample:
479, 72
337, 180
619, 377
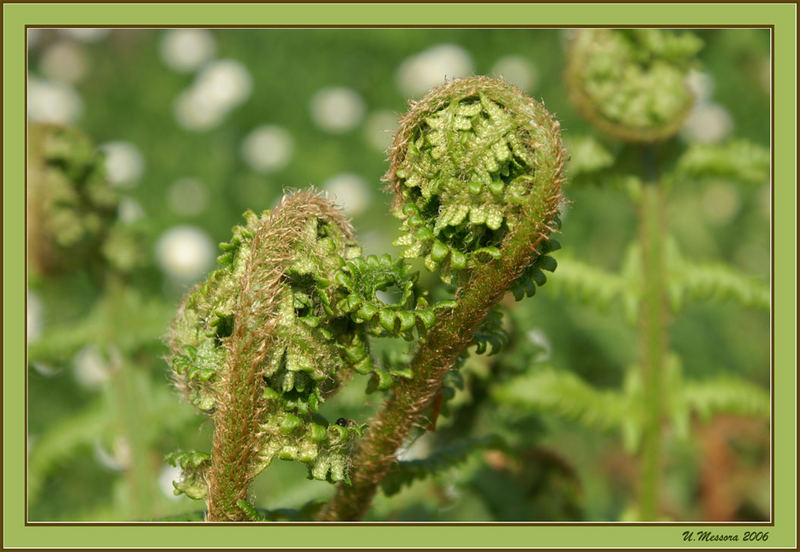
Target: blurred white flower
226, 82
219, 87
53, 102
129, 210
34, 317
720, 202
380, 128
64, 61
187, 49
337, 109
539, 338
185, 252
418, 73
118, 458
195, 110
45, 370
420, 448
91, 368
167, 475
86, 34
348, 191
267, 148
708, 123
517, 70
187, 196
124, 163
701, 84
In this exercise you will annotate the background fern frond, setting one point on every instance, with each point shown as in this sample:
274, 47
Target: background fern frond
728, 396
564, 394
738, 160
589, 284
143, 322
717, 282
405, 473
588, 158
61, 442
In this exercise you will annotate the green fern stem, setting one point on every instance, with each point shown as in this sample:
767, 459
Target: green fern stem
653, 322
529, 220
125, 387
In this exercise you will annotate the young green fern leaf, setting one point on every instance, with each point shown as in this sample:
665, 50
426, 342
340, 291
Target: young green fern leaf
362, 279
534, 275
490, 336
193, 465
631, 83
269, 336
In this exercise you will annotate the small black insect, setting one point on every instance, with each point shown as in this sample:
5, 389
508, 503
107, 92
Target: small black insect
341, 422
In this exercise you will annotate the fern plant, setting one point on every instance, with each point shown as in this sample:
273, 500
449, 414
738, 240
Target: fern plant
631, 85
476, 171
75, 231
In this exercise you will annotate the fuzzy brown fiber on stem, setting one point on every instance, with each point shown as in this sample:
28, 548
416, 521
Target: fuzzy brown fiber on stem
528, 221
239, 402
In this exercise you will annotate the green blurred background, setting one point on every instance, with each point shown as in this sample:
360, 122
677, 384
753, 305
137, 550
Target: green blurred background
199, 125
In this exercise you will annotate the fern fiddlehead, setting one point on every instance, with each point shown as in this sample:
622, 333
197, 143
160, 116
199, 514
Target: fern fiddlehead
476, 169
274, 332
631, 83
72, 207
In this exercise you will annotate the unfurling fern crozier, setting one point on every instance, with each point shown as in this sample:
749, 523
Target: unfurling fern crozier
271, 334
476, 170
631, 83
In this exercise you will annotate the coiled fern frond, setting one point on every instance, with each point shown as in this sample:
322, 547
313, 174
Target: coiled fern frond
631, 83
269, 336
463, 167
71, 207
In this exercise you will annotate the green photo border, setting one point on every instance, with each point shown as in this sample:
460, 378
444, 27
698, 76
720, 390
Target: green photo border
782, 17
